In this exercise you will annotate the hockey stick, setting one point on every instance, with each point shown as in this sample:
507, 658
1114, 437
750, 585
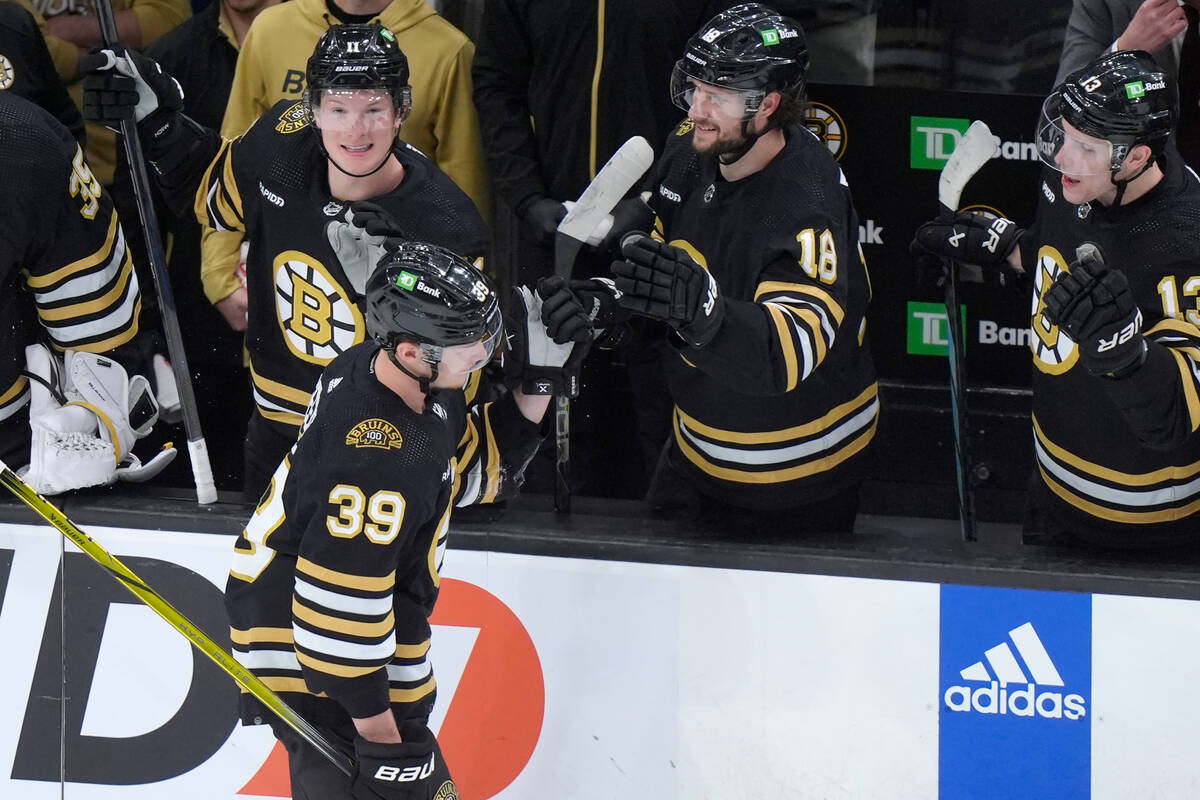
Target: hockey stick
629, 163
221, 657
206, 490
973, 150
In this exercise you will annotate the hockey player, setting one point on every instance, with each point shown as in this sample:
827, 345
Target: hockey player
755, 266
336, 573
69, 304
301, 166
1116, 384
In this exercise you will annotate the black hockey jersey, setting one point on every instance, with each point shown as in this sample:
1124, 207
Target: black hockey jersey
64, 267
335, 575
272, 183
777, 411
1123, 454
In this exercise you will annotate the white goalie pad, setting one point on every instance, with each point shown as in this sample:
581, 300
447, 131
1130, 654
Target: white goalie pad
84, 417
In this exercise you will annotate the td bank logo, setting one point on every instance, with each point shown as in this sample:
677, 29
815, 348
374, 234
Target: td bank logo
933, 139
929, 329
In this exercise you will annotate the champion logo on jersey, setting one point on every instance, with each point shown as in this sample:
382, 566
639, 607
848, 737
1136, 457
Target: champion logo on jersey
377, 433
989, 687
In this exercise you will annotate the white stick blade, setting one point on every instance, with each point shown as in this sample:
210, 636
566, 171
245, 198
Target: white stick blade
621, 172
974, 149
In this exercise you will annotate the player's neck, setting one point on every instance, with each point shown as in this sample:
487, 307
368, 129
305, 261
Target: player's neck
403, 386
1140, 185
765, 148
349, 188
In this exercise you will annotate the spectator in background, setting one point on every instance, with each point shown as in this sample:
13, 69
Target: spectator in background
201, 54
71, 29
1099, 26
27, 70
560, 85
270, 68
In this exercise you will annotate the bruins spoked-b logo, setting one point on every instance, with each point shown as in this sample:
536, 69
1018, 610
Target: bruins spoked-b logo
377, 433
294, 117
1053, 351
828, 126
8, 75
318, 320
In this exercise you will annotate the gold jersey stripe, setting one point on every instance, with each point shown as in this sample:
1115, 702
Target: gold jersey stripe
101, 255
1129, 517
279, 684
787, 434
784, 331
260, 635
414, 694
1082, 466
286, 417
14, 391
332, 668
813, 291
822, 464
492, 467
280, 390
108, 300
367, 630
1188, 379
362, 583
411, 651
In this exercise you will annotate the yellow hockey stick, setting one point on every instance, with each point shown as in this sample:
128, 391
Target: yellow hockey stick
174, 618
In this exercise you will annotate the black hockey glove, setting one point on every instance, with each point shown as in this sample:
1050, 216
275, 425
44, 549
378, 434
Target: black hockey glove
663, 282
1094, 306
569, 305
972, 237
121, 84
542, 215
536, 362
411, 770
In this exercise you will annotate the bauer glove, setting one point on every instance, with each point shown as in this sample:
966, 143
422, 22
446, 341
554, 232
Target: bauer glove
411, 770
1094, 306
570, 305
663, 282
972, 237
537, 362
121, 84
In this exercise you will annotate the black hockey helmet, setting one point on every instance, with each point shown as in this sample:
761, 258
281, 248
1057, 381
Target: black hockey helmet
751, 48
426, 294
1124, 98
350, 57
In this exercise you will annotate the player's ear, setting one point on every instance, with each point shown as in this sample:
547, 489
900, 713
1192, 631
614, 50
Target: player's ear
408, 350
769, 105
1138, 158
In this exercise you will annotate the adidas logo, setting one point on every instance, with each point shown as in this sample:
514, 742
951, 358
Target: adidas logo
1009, 689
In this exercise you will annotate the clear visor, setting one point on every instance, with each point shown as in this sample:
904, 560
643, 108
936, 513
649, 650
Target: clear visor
463, 358
1067, 149
357, 109
704, 100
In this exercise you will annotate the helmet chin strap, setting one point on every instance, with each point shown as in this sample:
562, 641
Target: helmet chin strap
1122, 185
748, 141
345, 171
422, 381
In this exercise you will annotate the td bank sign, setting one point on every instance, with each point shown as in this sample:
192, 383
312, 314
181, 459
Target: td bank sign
933, 139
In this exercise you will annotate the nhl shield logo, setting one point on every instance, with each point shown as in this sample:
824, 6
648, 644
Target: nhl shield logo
293, 118
709, 193
332, 209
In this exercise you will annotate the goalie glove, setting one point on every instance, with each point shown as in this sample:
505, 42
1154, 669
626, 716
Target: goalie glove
972, 237
534, 360
664, 282
1095, 306
121, 84
84, 417
411, 770
361, 238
